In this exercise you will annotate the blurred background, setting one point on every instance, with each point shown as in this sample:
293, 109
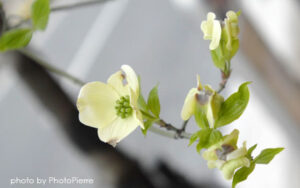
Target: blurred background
40, 135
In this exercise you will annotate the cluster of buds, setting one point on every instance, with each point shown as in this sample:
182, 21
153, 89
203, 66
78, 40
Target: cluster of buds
226, 156
202, 100
224, 38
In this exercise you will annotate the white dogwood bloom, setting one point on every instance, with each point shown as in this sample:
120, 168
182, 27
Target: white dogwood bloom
112, 107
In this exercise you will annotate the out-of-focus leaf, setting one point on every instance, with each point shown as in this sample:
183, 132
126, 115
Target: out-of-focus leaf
15, 39
267, 155
242, 174
40, 11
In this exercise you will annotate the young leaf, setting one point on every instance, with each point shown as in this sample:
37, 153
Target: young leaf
242, 174
147, 125
15, 39
267, 155
40, 11
250, 150
214, 137
153, 102
216, 103
142, 103
207, 138
194, 137
218, 58
200, 117
204, 135
234, 106
235, 47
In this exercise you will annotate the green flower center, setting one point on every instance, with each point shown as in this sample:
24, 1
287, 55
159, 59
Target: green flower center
123, 108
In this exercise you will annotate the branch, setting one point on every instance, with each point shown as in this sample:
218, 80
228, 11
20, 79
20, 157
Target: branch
77, 5
176, 133
52, 68
223, 83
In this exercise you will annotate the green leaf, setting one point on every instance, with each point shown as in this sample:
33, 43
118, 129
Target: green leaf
142, 103
214, 137
193, 138
250, 150
40, 11
204, 135
242, 174
216, 103
200, 117
147, 125
207, 138
235, 47
153, 102
267, 155
234, 106
218, 58
15, 39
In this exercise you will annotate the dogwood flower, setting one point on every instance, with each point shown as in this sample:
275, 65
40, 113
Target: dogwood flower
212, 30
206, 98
226, 156
112, 107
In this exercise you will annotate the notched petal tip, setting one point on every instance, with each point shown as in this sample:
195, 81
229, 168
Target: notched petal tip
113, 142
131, 78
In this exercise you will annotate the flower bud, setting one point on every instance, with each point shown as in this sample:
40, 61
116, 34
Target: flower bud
212, 30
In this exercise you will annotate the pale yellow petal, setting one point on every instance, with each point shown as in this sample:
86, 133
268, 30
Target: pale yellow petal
206, 30
96, 102
139, 117
199, 85
216, 35
131, 78
237, 153
232, 16
116, 81
211, 16
117, 130
136, 112
229, 167
215, 164
189, 105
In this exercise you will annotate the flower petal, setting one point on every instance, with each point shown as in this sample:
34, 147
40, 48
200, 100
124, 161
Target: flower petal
229, 167
116, 81
117, 130
131, 78
134, 104
189, 105
237, 153
96, 102
216, 35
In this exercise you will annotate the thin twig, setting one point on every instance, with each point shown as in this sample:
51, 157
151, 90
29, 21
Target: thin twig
223, 83
184, 124
77, 5
52, 68
178, 133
